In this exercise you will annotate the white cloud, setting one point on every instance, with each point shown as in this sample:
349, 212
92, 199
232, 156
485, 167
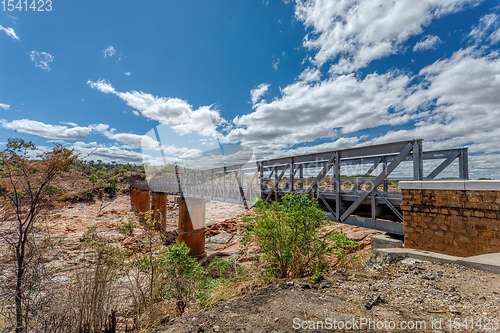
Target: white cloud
258, 92
495, 36
164, 110
359, 32
125, 154
276, 62
203, 121
308, 111
487, 29
102, 86
461, 102
127, 73
167, 110
9, 32
430, 42
454, 103
310, 75
109, 52
42, 60
45, 130
109, 153
134, 140
5, 106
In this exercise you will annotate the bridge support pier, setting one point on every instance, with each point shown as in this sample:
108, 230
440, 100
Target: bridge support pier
133, 199
144, 203
192, 225
159, 208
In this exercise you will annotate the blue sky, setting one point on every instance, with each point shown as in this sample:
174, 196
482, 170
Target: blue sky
281, 77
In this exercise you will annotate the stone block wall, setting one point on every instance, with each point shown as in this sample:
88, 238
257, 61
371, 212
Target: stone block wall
459, 218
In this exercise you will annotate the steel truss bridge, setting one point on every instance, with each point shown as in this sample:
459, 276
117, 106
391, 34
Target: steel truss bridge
370, 199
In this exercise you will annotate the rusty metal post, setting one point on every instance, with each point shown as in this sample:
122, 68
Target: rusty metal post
133, 199
192, 225
145, 203
159, 208
138, 198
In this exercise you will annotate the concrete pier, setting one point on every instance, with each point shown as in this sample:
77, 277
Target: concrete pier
159, 209
144, 203
192, 225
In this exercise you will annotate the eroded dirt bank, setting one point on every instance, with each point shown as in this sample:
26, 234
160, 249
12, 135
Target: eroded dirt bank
407, 296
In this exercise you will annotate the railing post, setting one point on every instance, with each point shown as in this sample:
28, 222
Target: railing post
261, 176
338, 186
418, 165
301, 176
384, 170
463, 164
224, 191
276, 183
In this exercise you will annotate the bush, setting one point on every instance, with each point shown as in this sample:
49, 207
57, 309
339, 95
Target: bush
93, 178
126, 228
112, 185
172, 275
88, 302
90, 235
187, 278
52, 189
88, 195
64, 197
292, 237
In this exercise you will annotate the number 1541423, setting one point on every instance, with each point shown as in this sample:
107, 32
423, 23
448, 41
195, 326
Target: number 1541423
26, 5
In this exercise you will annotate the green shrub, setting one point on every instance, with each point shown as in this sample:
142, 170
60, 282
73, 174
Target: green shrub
317, 277
220, 268
126, 228
88, 195
52, 189
187, 278
172, 275
93, 178
112, 185
63, 197
122, 170
292, 237
89, 235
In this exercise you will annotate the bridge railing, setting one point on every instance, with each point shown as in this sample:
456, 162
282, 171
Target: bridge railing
355, 186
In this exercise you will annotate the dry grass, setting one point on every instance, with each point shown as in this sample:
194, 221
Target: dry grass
155, 316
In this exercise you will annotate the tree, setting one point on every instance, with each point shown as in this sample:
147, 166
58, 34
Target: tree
26, 183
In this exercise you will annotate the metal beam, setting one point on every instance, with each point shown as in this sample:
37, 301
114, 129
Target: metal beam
389, 204
373, 167
443, 165
322, 173
377, 181
276, 182
382, 225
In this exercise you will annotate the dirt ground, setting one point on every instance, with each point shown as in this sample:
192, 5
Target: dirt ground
407, 296
410, 291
